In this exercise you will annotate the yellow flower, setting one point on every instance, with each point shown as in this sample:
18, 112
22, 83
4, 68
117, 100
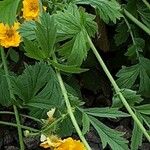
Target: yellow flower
70, 144
50, 142
9, 36
31, 9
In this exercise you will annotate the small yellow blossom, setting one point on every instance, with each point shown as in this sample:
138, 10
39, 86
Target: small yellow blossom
9, 36
70, 144
50, 142
31, 9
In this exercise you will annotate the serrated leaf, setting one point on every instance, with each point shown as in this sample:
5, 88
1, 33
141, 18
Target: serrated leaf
109, 10
136, 139
136, 48
131, 96
85, 123
127, 76
109, 136
75, 24
38, 87
27, 30
67, 68
144, 77
105, 112
122, 33
49, 97
46, 34
5, 99
8, 10
32, 50
144, 109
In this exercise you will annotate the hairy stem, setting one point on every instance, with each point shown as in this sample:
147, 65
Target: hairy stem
118, 90
69, 108
12, 97
138, 23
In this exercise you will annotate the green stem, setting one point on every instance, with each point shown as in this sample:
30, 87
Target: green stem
22, 126
12, 97
146, 3
138, 23
69, 108
118, 90
48, 127
26, 116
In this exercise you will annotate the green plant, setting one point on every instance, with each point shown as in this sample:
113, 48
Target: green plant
60, 40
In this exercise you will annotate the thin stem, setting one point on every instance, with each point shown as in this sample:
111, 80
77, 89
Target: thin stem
146, 3
12, 97
26, 116
131, 34
22, 126
118, 90
138, 23
48, 127
69, 108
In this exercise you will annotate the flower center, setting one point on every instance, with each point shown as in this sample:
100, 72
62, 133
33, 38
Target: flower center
33, 6
10, 33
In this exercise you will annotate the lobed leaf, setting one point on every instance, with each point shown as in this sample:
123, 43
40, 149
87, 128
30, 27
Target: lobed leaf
109, 136
73, 25
131, 96
105, 112
38, 87
109, 10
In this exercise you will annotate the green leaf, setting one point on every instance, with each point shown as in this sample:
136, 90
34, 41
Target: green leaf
136, 48
109, 10
14, 56
122, 35
27, 30
131, 96
109, 136
146, 119
105, 112
32, 50
8, 10
46, 34
68, 69
38, 87
5, 99
144, 13
144, 77
85, 123
76, 24
127, 76
136, 139
144, 109
38, 112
